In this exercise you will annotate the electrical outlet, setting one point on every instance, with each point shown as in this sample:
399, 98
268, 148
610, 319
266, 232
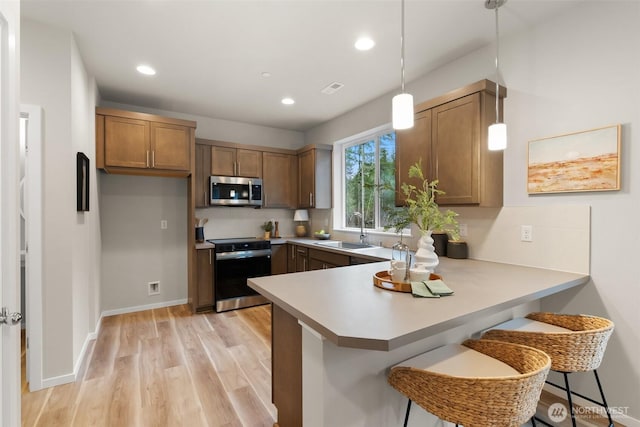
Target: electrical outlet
526, 233
163, 224
463, 230
153, 288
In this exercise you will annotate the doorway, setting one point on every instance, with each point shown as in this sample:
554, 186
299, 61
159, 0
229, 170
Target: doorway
31, 243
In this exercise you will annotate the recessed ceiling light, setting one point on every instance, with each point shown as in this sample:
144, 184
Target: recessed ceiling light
146, 70
364, 43
265, 74
288, 101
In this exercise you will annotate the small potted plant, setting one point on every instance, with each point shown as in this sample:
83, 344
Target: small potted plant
267, 227
420, 208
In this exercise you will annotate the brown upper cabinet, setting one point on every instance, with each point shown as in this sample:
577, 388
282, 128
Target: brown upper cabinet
230, 161
450, 136
279, 180
202, 174
143, 144
314, 177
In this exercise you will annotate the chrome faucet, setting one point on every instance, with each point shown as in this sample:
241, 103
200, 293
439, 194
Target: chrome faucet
363, 236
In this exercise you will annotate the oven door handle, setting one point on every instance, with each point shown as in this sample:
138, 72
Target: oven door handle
243, 254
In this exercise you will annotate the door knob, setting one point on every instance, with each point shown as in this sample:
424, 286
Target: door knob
9, 318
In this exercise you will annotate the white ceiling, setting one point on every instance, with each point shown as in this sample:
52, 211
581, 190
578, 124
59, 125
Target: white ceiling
209, 54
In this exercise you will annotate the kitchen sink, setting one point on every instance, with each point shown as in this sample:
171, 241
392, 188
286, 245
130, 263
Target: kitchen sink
345, 245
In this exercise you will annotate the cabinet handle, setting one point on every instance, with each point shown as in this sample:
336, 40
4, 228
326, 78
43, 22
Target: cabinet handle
153, 159
209, 256
204, 197
311, 199
147, 163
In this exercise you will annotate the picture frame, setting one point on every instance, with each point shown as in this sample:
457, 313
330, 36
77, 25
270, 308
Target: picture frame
575, 162
82, 176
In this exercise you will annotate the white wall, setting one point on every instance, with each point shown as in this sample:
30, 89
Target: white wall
578, 71
143, 202
53, 77
135, 250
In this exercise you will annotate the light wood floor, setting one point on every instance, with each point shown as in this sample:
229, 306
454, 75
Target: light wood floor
166, 367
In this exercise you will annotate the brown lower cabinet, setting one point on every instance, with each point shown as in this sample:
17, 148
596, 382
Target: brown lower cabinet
279, 259
321, 260
203, 300
286, 367
301, 258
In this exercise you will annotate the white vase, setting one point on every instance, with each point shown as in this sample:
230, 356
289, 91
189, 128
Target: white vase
426, 256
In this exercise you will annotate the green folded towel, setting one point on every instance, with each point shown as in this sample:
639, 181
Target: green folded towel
419, 289
437, 287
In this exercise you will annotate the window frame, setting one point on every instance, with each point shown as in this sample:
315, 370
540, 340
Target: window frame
339, 180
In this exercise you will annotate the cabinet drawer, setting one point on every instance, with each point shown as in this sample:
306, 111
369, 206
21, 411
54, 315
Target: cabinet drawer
333, 258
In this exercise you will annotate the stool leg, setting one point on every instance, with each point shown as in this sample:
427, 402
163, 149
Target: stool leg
566, 383
604, 401
406, 415
533, 421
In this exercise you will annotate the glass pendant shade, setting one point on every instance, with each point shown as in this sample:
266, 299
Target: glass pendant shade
497, 136
402, 111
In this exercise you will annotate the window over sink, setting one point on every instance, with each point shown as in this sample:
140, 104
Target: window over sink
365, 179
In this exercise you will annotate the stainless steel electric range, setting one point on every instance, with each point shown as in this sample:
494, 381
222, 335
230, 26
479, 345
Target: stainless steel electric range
236, 260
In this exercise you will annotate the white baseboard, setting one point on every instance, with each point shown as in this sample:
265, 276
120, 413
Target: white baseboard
68, 378
135, 308
621, 417
54, 381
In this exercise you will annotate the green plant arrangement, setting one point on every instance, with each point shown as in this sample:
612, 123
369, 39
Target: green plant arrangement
420, 208
267, 226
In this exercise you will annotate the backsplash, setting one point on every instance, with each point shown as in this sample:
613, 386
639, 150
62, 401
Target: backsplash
230, 222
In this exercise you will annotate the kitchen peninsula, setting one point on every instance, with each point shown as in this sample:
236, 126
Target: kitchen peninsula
335, 335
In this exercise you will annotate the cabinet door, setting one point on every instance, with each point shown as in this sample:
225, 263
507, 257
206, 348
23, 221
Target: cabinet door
278, 259
291, 258
202, 171
170, 147
456, 150
316, 264
248, 163
204, 273
412, 145
306, 179
301, 259
223, 161
126, 142
278, 173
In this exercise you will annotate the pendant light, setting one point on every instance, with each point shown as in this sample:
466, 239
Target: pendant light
402, 104
497, 138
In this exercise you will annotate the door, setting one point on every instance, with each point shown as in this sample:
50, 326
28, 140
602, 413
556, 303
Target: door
413, 145
223, 161
9, 223
456, 150
277, 178
126, 143
306, 179
170, 147
249, 163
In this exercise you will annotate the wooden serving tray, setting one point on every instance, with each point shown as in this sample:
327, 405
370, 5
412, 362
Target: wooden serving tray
382, 280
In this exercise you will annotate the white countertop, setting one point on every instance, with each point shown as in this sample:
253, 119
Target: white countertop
374, 253
342, 304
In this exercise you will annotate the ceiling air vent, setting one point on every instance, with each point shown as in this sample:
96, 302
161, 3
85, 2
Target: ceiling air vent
332, 88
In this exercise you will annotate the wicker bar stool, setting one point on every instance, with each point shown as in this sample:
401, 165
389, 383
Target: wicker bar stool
575, 343
480, 383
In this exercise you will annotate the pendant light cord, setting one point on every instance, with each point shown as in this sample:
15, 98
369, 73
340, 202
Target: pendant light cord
497, 65
402, 46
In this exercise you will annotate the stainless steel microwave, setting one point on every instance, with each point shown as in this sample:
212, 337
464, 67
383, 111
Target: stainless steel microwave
235, 191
